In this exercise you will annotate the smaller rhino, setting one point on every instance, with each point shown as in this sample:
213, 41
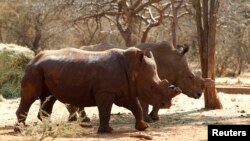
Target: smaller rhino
84, 79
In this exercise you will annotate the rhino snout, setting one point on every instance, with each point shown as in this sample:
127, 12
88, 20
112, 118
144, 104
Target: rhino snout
165, 105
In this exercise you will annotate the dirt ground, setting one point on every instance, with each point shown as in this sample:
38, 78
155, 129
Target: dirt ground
186, 120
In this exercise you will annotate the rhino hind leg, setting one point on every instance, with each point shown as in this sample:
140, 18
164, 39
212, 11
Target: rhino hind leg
22, 113
72, 112
46, 106
29, 93
83, 115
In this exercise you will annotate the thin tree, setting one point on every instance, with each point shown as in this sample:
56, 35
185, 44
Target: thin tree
206, 20
133, 17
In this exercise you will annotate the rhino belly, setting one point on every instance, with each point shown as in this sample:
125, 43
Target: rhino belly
70, 94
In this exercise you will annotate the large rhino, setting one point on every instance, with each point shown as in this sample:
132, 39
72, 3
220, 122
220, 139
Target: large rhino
83, 78
171, 65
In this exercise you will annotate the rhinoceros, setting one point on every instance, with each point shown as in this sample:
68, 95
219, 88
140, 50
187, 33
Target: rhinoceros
171, 65
83, 79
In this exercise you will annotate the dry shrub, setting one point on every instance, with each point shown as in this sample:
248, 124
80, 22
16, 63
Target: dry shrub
59, 128
13, 59
1, 98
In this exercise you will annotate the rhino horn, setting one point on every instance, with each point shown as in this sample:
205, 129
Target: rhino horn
149, 54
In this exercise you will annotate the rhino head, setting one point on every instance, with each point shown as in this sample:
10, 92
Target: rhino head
148, 86
192, 85
173, 66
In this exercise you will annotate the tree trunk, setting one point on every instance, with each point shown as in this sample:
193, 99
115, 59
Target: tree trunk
174, 22
36, 42
206, 29
1, 37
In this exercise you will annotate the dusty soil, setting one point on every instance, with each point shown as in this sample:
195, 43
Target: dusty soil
185, 120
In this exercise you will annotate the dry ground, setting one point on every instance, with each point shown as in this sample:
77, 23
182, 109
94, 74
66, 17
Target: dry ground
186, 120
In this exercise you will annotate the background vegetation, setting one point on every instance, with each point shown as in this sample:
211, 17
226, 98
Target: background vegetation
13, 60
46, 24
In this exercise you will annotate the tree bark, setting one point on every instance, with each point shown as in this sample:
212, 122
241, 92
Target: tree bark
206, 20
1, 38
174, 22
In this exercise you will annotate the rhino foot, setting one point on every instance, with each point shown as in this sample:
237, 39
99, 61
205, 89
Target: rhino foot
154, 116
18, 127
148, 119
86, 119
142, 125
105, 129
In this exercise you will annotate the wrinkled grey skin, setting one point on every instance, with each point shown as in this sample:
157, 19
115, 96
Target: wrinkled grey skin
171, 65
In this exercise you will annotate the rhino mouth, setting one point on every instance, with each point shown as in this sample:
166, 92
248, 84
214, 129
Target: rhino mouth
165, 105
197, 95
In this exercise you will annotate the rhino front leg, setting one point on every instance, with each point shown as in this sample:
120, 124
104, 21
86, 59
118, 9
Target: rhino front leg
104, 103
154, 113
46, 106
136, 109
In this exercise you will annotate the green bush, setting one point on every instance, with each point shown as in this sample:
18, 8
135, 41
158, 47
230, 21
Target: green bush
13, 59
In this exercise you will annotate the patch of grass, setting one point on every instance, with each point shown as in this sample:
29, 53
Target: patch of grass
247, 4
50, 130
233, 99
239, 81
13, 60
1, 98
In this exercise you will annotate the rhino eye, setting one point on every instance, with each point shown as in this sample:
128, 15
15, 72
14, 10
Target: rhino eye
190, 76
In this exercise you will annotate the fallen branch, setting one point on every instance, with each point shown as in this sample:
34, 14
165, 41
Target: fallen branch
233, 89
141, 136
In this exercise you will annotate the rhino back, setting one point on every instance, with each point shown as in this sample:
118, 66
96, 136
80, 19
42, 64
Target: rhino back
77, 76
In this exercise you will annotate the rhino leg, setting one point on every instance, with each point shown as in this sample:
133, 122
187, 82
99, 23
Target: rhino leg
83, 115
136, 109
72, 112
29, 93
46, 106
146, 117
22, 112
154, 113
104, 103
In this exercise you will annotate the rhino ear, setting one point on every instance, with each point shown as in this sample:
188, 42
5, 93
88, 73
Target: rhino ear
186, 48
164, 82
149, 54
183, 49
140, 55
